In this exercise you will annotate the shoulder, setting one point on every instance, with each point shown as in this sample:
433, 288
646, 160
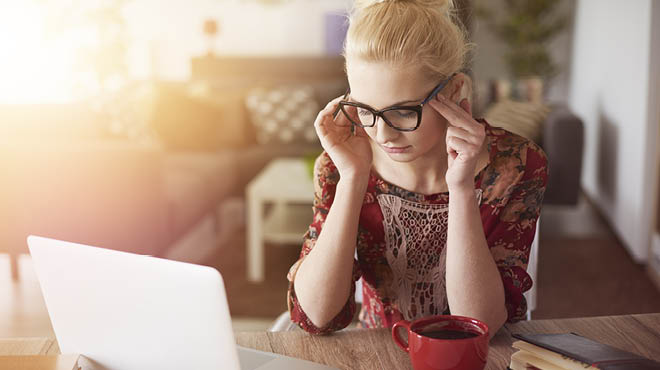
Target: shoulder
325, 172
514, 160
508, 141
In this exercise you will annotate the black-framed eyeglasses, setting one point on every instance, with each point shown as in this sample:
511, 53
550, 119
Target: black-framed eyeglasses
402, 118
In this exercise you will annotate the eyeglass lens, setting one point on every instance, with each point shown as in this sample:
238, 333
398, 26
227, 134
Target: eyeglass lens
400, 118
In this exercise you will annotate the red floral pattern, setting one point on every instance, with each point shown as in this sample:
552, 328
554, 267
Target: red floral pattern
512, 187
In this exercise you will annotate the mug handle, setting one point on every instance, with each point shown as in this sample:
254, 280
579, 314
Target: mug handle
397, 338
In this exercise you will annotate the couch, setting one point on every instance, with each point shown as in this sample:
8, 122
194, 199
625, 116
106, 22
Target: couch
563, 142
67, 176
113, 194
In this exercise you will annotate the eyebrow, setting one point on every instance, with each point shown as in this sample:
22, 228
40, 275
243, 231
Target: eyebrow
391, 105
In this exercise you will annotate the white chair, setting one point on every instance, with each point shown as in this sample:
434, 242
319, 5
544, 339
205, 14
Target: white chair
532, 270
283, 323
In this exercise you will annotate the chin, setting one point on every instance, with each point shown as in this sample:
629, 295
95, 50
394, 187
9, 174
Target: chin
402, 157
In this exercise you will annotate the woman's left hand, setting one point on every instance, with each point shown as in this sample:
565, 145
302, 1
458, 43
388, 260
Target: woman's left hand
465, 139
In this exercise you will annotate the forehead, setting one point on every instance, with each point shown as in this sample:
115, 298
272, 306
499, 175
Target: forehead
382, 84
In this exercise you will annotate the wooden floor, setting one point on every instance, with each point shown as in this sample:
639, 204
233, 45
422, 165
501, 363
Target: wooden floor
583, 271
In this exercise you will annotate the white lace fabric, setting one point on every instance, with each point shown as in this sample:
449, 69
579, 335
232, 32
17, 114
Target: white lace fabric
416, 237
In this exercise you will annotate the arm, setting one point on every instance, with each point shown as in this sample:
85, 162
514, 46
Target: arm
321, 292
508, 241
328, 281
480, 280
474, 286
324, 280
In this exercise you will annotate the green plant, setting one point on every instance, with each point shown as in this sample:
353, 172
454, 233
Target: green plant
310, 159
526, 26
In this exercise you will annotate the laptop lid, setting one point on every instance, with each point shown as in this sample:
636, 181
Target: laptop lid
133, 312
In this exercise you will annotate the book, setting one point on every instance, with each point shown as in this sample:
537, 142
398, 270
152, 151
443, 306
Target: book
523, 360
571, 351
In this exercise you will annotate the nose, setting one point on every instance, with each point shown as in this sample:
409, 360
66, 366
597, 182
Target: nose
385, 133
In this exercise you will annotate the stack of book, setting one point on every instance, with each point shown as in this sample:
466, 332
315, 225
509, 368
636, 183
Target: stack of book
571, 351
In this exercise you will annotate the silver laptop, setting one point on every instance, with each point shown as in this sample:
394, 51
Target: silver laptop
123, 311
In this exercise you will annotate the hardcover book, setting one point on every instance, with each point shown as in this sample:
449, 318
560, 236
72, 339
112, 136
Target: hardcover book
571, 351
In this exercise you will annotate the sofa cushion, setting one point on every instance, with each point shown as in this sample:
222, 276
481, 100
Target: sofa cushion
192, 118
105, 193
195, 183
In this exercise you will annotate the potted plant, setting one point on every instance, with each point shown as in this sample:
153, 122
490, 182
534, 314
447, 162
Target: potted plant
527, 27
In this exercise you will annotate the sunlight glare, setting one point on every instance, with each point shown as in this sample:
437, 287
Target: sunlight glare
36, 67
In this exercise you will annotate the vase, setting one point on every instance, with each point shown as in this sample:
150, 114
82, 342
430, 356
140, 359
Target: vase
531, 89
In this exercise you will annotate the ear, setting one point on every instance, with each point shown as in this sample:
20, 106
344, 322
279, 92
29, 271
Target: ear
461, 88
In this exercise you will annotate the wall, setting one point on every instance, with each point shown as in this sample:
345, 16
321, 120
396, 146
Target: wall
610, 91
654, 110
166, 35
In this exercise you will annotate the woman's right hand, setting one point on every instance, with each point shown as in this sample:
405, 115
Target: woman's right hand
351, 153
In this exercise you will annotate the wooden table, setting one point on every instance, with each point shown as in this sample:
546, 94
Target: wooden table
34, 354
374, 349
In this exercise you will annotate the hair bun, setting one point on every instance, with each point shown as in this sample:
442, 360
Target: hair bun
441, 5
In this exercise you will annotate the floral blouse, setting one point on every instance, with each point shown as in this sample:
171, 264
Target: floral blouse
402, 236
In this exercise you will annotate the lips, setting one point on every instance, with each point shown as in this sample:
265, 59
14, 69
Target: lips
395, 150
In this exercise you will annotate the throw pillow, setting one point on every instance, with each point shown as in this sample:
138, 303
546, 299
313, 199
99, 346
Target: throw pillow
283, 114
522, 118
185, 122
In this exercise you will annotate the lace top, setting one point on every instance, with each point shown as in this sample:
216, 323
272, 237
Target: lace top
402, 236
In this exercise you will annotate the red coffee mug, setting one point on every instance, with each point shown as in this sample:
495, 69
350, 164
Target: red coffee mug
428, 353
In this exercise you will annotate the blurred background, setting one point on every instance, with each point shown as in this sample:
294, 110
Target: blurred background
184, 130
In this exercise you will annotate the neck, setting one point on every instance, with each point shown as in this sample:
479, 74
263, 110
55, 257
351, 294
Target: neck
424, 175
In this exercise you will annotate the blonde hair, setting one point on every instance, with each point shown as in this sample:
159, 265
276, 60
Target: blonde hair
404, 32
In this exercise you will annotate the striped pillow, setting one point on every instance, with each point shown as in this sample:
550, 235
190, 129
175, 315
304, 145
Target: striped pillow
522, 118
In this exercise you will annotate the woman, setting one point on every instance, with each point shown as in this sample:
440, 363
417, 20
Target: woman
441, 208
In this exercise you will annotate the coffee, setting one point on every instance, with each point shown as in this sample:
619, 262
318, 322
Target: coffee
448, 334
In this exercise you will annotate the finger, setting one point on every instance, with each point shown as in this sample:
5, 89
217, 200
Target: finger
455, 115
465, 135
465, 104
332, 105
452, 156
320, 124
329, 132
468, 124
451, 111
322, 133
461, 147
330, 138
327, 112
334, 101
341, 119
360, 131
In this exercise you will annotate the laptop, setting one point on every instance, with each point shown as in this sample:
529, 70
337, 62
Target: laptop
124, 311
